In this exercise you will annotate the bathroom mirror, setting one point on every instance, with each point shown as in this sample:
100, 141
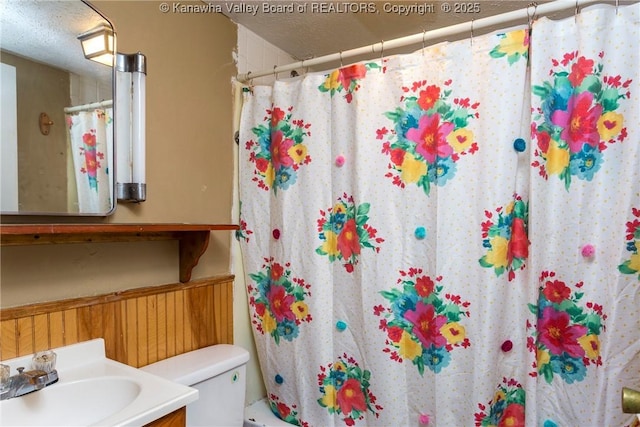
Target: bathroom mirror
57, 127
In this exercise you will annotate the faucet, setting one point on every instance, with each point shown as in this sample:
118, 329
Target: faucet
26, 382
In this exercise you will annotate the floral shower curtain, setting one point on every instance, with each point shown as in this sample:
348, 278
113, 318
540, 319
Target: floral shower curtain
91, 138
451, 237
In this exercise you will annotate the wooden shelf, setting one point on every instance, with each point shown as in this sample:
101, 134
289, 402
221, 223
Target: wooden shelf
193, 238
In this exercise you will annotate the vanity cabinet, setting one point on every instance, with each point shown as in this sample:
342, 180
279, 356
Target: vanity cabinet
177, 418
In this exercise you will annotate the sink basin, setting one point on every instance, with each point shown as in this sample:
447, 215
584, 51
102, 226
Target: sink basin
94, 390
78, 403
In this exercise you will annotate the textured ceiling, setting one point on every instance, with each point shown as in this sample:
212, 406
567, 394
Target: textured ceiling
46, 31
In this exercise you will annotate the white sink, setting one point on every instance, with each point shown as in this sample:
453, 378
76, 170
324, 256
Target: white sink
94, 390
78, 403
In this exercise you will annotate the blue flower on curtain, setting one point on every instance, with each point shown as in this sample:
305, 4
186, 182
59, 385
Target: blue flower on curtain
429, 136
566, 337
632, 265
577, 118
421, 324
279, 151
278, 301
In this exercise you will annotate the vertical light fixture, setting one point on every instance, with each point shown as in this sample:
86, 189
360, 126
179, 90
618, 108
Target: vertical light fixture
131, 70
97, 44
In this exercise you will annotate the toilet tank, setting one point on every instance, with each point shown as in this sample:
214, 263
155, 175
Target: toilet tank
218, 372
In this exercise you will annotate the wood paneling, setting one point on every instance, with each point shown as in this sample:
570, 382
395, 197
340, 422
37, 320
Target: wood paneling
139, 326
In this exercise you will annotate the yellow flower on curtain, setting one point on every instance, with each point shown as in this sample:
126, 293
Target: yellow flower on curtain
515, 42
610, 125
513, 45
460, 139
454, 332
332, 82
634, 261
300, 309
557, 159
298, 153
412, 169
269, 323
591, 345
497, 256
329, 399
269, 175
542, 357
409, 348
330, 245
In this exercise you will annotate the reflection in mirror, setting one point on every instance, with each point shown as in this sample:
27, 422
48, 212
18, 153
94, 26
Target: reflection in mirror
56, 126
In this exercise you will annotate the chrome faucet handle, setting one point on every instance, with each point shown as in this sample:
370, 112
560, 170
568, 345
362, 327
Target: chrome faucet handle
38, 378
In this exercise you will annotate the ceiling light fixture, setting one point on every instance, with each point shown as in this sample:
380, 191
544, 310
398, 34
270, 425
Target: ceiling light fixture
97, 44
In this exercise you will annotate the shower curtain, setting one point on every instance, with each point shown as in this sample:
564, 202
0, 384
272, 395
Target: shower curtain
90, 136
451, 237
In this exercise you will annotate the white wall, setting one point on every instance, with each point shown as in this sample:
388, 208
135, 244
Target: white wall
9, 139
253, 54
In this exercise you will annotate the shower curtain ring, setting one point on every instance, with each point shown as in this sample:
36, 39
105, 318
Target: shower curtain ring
424, 34
381, 51
471, 31
617, 4
531, 17
575, 16
341, 64
275, 75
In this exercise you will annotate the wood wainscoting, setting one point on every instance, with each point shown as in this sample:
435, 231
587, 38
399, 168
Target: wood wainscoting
139, 326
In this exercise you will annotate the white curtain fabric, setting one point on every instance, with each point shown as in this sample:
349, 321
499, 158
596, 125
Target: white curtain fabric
450, 237
91, 138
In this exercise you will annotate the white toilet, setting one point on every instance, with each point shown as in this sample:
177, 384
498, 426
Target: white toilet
218, 372
258, 414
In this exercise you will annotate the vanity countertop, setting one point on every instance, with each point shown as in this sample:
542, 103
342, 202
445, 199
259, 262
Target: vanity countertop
94, 390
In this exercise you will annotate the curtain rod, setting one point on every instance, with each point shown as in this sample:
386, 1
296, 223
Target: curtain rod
527, 13
89, 107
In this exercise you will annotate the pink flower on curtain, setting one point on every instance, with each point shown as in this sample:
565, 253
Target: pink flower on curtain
422, 323
431, 138
565, 338
426, 325
430, 134
558, 335
579, 122
279, 150
577, 118
279, 301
